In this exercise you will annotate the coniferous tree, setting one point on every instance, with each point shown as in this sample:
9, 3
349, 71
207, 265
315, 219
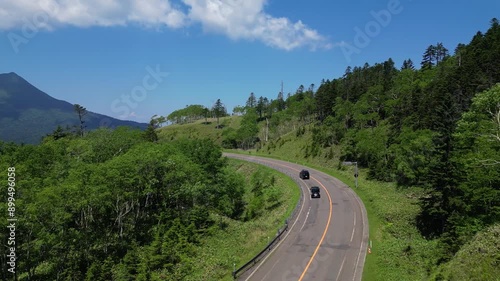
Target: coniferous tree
346, 79
260, 106
325, 99
150, 132
251, 101
271, 107
311, 88
265, 107
206, 114
408, 64
428, 57
219, 111
459, 52
300, 89
281, 104
60, 132
440, 53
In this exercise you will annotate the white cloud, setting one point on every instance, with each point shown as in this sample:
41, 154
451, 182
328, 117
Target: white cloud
237, 19
245, 19
154, 12
53, 13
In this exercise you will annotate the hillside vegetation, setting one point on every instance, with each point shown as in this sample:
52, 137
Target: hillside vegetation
205, 128
427, 142
114, 205
479, 259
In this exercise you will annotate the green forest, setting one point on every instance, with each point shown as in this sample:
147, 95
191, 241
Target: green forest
128, 204
437, 127
433, 126
115, 205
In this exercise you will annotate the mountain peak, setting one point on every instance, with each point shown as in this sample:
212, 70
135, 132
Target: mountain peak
27, 113
11, 74
12, 79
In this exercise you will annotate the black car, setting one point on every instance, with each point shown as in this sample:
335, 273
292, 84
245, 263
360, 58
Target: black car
315, 192
304, 174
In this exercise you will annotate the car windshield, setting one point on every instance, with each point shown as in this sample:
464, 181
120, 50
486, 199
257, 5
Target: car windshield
314, 189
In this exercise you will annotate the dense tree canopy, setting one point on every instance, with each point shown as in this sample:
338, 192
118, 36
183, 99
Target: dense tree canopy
188, 114
112, 205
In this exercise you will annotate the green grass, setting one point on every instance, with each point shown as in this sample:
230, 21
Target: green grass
199, 129
241, 241
477, 260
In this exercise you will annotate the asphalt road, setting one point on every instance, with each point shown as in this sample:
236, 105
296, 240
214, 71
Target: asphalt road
327, 240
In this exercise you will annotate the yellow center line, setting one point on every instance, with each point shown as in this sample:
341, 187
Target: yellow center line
327, 224
324, 232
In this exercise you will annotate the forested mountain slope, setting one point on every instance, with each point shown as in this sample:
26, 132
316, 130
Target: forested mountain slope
435, 128
27, 114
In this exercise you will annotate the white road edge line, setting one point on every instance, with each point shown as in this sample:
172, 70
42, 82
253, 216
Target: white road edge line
284, 238
305, 220
362, 239
341, 266
354, 227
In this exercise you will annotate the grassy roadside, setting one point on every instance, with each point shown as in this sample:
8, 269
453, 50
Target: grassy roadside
240, 241
199, 128
399, 252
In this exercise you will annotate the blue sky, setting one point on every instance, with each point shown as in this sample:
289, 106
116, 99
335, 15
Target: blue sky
132, 59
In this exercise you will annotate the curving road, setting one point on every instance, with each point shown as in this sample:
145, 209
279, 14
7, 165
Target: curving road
328, 238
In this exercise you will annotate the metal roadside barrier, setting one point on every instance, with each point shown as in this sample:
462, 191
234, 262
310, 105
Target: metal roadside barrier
238, 272
262, 253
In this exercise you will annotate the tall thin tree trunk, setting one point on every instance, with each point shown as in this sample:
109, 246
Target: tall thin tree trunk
267, 129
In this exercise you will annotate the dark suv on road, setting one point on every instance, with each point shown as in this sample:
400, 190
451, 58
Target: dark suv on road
315, 192
304, 174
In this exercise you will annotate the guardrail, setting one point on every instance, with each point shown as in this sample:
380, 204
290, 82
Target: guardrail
262, 253
238, 272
